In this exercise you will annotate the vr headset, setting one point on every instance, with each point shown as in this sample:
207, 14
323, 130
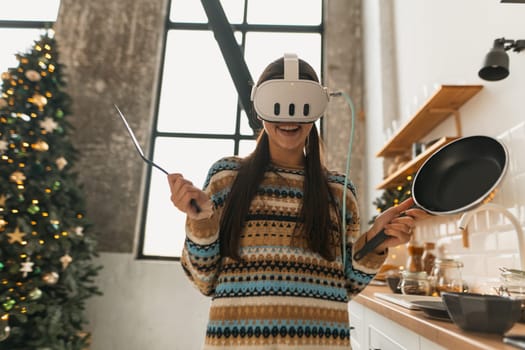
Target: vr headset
290, 99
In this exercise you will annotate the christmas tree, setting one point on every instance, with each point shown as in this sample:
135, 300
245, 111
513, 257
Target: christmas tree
46, 254
392, 197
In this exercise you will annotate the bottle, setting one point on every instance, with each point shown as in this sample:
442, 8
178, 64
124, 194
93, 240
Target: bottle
429, 257
446, 276
414, 261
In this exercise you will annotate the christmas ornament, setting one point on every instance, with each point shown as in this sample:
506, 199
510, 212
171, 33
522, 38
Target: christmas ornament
3, 198
6, 75
35, 294
2, 225
79, 230
17, 177
66, 260
3, 103
59, 113
33, 209
56, 185
41, 146
33, 75
5, 330
3, 145
16, 236
1, 266
26, 267
50, 278
8, 304
48, 124
38, 100
61, 163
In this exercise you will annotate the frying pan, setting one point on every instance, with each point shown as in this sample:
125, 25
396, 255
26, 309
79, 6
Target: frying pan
456, 178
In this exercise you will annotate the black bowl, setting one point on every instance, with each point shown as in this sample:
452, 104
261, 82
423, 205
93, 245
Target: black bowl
393, 283
482, 313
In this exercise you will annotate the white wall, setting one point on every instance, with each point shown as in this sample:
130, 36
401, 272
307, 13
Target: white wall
146, 305
445, 42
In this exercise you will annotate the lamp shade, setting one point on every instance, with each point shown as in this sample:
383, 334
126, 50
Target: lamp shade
496, 64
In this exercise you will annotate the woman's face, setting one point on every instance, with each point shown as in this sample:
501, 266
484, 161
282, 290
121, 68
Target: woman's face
287, 141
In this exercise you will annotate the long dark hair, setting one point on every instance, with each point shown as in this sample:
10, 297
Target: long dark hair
317, 224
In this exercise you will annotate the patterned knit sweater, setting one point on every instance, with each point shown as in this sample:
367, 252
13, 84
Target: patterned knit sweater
280, 295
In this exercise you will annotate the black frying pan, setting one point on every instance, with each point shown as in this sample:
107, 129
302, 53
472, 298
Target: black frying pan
458, 177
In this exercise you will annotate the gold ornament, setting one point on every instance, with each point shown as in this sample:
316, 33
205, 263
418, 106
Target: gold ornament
3, 103
3, 223
16, 236
61, 163
17, 177
38, 100
33, 75
6, 75
41, 146
66, 260
50, 278
3, 198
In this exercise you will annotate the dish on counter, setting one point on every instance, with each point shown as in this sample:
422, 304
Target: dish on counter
433, 309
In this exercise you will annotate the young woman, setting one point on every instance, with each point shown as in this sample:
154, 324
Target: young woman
267, 242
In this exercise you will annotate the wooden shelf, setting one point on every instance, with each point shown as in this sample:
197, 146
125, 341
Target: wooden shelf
446, 101
400, 176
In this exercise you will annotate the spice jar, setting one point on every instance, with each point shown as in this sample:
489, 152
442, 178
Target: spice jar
415, 283
446, 276
414, 261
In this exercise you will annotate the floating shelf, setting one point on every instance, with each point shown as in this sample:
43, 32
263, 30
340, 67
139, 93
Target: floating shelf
446, 101
399, 177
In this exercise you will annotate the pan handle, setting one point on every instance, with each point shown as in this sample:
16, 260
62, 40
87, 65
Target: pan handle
371, 245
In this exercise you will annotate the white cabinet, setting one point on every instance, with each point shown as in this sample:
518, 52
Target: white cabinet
374, 332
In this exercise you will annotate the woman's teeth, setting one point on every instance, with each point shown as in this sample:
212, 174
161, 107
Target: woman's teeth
289, 128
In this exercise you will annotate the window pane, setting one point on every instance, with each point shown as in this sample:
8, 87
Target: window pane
263, 48
246, 147
245, 124
198, 95
164, 234
29, 10
15, 41
289, 12
192, 11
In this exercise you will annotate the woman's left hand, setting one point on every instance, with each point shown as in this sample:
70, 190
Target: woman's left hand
398, 223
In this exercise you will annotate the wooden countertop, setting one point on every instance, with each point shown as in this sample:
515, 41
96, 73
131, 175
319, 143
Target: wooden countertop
444, 333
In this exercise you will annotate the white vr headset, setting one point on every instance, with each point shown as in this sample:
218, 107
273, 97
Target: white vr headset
290, 99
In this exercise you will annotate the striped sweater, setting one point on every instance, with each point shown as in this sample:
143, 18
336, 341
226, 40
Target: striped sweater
280, 295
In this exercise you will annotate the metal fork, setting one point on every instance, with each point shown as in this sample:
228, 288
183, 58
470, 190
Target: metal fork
147, 160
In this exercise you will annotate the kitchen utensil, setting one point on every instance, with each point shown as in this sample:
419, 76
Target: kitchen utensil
433, 309
482, 312
141, 153
456, 178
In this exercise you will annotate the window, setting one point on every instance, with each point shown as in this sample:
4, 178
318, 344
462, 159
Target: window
21, 23
198, 119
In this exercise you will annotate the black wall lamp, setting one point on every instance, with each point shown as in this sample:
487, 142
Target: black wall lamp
496, 64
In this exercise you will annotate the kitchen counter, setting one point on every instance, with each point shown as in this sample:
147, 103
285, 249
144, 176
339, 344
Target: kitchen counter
444, 333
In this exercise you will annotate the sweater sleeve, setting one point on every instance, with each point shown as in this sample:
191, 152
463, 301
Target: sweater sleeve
201, 257
358, 274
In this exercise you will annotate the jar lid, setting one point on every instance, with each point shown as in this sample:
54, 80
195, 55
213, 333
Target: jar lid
448, 262
414, 275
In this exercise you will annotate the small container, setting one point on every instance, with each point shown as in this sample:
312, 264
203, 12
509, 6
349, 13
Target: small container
415, 283
446, 276
429, 257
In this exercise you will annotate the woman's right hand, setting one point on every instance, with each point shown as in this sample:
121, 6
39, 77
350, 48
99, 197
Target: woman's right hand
182, 194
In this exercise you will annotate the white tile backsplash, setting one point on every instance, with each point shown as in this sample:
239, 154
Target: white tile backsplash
493, 238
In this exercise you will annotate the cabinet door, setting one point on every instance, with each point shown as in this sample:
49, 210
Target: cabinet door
357, 326
380, 341
385, 334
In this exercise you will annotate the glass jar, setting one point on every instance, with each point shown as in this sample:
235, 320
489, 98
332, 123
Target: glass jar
446, 276
429, 257
513, 282
415, 283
